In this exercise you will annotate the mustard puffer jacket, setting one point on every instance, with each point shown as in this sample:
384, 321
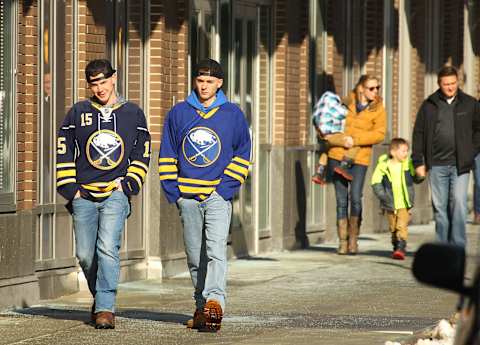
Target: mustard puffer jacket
367, 128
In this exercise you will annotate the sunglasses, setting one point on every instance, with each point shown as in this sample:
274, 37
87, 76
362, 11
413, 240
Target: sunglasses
374, 88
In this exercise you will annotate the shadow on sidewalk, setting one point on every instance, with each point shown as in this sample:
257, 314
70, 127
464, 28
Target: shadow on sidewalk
83, 315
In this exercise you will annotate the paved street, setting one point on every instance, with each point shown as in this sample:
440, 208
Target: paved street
303, 297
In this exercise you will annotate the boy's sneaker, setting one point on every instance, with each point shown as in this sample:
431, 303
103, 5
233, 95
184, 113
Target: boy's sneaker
345, 164
213, 316
319, 176
400, 252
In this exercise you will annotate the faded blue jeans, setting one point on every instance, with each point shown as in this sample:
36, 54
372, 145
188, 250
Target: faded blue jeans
348, 192
205, 233
98, 228
449, 200
476, 185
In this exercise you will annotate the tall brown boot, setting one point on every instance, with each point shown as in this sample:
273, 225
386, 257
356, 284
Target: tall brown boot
342, 231
353, 231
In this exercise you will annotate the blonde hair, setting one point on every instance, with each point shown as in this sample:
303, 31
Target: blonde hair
361, 83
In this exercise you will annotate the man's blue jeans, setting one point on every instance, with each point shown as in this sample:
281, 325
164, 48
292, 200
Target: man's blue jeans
98, 230
449, 199
205, 233
346, 191
476, 185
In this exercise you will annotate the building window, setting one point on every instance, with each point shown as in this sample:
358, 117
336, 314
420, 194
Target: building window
7, 32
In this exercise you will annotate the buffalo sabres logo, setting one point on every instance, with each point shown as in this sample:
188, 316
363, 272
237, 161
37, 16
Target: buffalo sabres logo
105, 149
201, 146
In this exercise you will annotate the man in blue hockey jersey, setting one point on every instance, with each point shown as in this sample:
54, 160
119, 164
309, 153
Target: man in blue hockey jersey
103, 152
204, 158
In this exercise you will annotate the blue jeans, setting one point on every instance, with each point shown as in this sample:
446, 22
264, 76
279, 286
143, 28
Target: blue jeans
476, 185
98, 230
346, 191
449, 199
205, 233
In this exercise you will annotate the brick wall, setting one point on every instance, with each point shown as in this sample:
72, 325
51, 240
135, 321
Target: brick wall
418, 55
291, 74
27, 107
135, 16
93, 20
168, 72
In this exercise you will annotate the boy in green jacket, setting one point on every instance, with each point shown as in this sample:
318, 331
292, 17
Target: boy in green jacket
392, 183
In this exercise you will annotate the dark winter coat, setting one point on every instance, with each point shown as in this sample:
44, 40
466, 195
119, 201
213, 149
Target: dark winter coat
467, 131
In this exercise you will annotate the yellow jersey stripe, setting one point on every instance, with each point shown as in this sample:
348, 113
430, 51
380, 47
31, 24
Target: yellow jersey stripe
134, 176
203, 197
101, 195
167, 168
140, 164
196, 190
168, 177
111, 186
66, 173
65, 165
167, 160
100, 184
66, 181
235, 176
241, 160
137, 171
238, 168
209, 114
200, 182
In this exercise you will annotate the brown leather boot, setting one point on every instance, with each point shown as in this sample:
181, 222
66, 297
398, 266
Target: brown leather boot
198, 320
353, 231
213, 316
342, 236
105, 320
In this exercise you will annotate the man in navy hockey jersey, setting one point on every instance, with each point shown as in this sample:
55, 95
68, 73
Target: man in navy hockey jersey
204, 158
103, 152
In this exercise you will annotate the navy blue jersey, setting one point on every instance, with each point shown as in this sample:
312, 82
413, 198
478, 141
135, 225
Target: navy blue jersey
98, 144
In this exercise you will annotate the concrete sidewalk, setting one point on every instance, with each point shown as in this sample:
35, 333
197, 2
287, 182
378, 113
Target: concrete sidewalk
306, 297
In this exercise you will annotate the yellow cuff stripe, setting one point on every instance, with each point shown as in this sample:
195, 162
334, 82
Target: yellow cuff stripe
235, 176
136, 178
66, 181
200, 182
140, 164
167, 160
203, 197
238, 168
137, 171
168, 177
66, 173
65, 165
196, 190
167, 168
241, 160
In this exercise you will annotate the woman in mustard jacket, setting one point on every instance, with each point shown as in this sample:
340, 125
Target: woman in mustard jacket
365, 126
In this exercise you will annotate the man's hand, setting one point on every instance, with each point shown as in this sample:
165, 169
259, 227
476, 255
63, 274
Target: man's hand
421, 171
348, 142
77, 195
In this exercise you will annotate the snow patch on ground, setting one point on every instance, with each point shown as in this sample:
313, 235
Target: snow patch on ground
442, 334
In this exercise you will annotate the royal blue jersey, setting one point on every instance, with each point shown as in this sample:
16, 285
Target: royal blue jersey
98, 144
204, 149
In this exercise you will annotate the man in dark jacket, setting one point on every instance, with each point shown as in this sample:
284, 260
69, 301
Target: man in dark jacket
446, 137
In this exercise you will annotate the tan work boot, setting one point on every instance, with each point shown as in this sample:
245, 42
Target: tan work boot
353, 231
213, 316
198, 320
342, 232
